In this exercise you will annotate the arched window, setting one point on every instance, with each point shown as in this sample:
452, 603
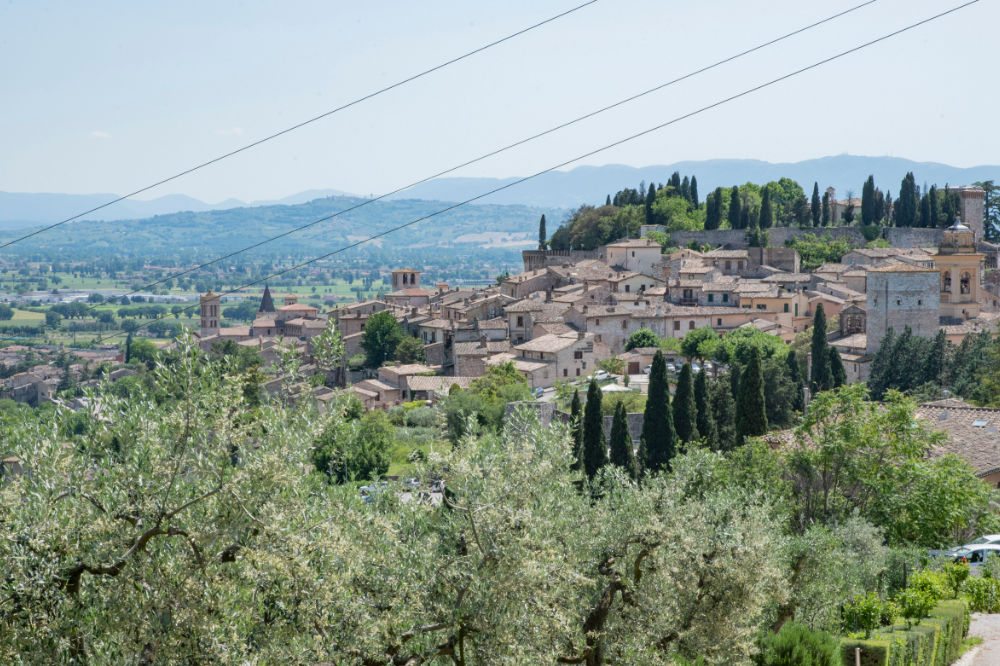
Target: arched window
966, 284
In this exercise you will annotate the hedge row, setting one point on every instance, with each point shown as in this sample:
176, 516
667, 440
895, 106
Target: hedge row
934, 641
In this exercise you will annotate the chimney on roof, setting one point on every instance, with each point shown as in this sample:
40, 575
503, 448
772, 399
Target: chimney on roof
483, 339
413, 312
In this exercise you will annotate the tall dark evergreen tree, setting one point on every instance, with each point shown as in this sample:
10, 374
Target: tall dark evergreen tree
820, 380
934, 205
826, 209
703, 404
658, 443
576, 428
713, 216
595, 448
648, 205
751, 411
925, 218
686, 189
542, 237
815, 206
766, 210
735, 375
907, 202
735, 216
880, 377
607, 202
694, 192
868, 214
795, 376
723, 415
675, 180
128, 347
838, 376
622, 453
936, 358
685, 410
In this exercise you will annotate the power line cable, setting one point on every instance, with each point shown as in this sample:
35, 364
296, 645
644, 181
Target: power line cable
325, 114
595, 151
497, 151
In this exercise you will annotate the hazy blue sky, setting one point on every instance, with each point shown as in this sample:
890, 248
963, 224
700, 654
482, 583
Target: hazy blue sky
109, 96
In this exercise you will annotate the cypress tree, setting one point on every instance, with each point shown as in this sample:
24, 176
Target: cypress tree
907, 202
868, 201
595, 450
934, 365
658, 442
706, 420
541, 233
576, 416
694, 192
820, 380
724, 415
713, 212
882, 371
935, 208
838, 376
795, 376
650, 199
128, 347
675, 180
815, 207
685, 411
925, 218
751, 412
826, 209
686, 189
735, 374
734, 208
766, 211
622, 453
607, 202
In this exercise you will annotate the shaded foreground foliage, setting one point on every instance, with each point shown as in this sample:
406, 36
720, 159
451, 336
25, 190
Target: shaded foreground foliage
192, 527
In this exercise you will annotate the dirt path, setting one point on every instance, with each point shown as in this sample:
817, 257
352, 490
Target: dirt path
986, 627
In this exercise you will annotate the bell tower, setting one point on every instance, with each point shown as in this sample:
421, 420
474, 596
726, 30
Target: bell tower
959, 265
210, 304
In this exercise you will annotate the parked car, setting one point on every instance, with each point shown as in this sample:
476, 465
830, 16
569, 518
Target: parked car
976, 555
671, 367
695, 367
600, 376
985, 540
648, 369
537, 392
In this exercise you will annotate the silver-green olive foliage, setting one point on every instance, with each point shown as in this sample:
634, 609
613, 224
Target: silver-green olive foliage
194, 529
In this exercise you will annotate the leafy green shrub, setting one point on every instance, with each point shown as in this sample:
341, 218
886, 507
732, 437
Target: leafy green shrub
932, 583
914, 604
424, 417
983, 593
356, 362
955, 574
936, 641
397, 415
991, 567
798, 645
862, 614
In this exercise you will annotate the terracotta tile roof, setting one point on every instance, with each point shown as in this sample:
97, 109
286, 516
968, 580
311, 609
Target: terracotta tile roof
548, 343
973, 432
727, 254
437, 383
901, 267
635, 242
493, 324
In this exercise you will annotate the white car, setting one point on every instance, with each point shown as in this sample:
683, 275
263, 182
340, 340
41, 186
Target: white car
977, 554
975, 544
600, 376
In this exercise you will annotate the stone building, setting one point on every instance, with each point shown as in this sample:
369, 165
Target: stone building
210, 306
901, 295
959, 265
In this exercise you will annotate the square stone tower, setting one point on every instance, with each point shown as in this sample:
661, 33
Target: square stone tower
210, 304
971, 208
901, 295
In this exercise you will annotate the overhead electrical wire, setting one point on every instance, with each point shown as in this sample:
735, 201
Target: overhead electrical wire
631, 137
498, 151
299, 125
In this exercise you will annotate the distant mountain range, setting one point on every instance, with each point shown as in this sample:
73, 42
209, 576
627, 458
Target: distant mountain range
556, 190
19, 210
590, 184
